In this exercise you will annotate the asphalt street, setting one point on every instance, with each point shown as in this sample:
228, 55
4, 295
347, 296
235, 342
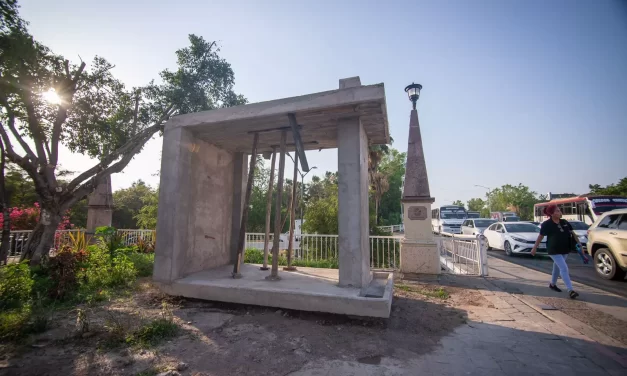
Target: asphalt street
579, 272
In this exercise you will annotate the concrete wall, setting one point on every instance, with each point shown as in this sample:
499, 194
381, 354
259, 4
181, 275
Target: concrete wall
353, 219
196, 203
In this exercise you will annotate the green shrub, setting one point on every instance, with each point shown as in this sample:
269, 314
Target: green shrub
15, 285
101, 272
14, 322
143, 263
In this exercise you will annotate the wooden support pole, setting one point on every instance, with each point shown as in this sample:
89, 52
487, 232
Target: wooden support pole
266, 238
242, 228
290, 247
274, 273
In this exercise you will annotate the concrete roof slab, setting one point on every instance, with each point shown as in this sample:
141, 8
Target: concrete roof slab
317, 114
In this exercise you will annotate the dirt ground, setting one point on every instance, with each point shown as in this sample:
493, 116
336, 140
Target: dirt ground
224, 339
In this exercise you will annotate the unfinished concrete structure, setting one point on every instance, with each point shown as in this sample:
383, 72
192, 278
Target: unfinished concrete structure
202, 191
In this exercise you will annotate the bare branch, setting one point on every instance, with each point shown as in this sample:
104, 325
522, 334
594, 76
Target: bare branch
16, 134
137, 93
23, 162
66, 65
34, 127
128, 147
91, 185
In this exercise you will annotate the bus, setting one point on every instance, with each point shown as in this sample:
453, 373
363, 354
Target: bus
584, 208
448, 219
505, 216
473, 214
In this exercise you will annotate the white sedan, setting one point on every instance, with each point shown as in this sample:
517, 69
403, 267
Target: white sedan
513, 237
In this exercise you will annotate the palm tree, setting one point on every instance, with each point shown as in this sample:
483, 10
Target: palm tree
380, 185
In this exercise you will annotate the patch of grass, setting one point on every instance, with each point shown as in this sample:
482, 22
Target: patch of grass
148, 372
153, 333
404, 288
438, 293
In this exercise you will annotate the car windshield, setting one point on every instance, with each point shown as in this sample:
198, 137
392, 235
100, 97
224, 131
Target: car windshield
474, 215
579, 225
522, 227
452, 214
483, 223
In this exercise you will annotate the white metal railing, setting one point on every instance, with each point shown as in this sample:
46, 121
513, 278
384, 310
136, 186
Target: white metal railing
18, 239
384, 250
463, 254
130, 237
392, 229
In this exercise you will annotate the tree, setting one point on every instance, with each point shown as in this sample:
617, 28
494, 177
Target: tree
147, 216
519, 199
47, 102
618, 189
128, 202
322, 211
458, 203
476, 204
393, 166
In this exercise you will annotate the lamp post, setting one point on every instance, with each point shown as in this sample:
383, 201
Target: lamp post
413, 91
488, 194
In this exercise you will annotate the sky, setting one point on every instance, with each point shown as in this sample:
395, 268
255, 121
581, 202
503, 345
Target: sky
529, 92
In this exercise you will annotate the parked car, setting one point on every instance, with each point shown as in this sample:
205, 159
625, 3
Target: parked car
607, 243
581, 229
514, 237
476, 226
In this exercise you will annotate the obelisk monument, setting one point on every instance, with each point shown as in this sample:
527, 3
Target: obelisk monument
419, 252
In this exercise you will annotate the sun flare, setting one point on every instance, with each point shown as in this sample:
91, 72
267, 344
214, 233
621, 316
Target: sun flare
51, 97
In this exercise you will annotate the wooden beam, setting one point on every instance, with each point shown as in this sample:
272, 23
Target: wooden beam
266, 238
242, 228
274, 273
290, 247
298, 143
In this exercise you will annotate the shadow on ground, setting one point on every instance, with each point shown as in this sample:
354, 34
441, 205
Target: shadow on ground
424, 335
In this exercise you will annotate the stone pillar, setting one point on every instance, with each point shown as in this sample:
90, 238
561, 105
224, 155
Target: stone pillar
354, 254
419, 252
100, 206
173, 214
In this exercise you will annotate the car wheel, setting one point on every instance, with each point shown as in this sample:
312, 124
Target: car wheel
508, 249
605, 265
487, 243
440, 230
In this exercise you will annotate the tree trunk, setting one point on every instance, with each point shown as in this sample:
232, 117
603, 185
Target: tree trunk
4, 202
41, 240
6, 235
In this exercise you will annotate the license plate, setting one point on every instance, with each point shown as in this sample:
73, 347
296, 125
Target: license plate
541, 246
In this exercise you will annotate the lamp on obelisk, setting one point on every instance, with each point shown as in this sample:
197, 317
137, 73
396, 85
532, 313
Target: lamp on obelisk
419, 252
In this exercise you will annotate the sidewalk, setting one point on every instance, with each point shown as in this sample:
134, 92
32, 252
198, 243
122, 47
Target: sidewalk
510, 335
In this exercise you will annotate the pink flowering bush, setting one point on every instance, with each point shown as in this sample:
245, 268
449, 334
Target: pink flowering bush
27, 218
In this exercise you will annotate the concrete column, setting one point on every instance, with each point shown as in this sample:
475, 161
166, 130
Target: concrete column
239, 189
173, 215
353, 204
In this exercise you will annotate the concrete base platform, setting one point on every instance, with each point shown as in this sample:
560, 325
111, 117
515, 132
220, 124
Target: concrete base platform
308, 289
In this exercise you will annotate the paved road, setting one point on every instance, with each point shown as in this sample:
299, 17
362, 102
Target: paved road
578, 271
